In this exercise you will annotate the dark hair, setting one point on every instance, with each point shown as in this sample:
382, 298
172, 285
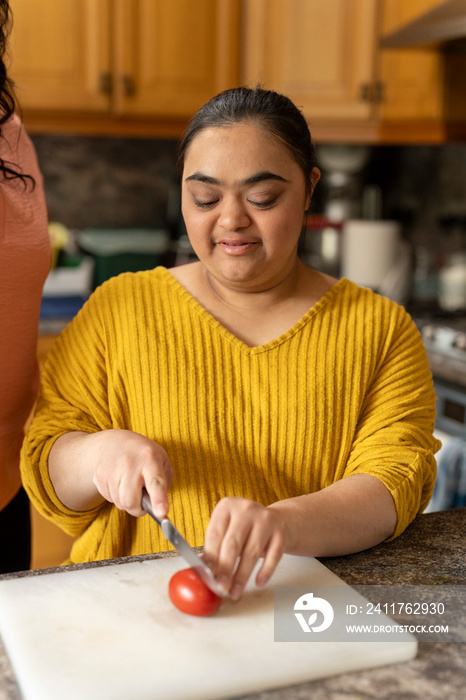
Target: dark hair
10, 171
275, 112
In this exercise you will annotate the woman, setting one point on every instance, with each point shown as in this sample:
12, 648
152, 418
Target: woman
294, 412
24, 264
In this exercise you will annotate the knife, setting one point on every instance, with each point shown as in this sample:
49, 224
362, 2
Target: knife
183, 548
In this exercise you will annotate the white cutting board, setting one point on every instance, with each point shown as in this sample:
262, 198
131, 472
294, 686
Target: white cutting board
111, 633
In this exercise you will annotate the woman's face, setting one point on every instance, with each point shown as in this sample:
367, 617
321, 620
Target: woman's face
243, 202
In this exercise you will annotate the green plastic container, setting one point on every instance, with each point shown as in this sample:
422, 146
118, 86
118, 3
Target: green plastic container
123, 250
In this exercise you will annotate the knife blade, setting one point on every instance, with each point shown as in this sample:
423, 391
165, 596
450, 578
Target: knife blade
183, 548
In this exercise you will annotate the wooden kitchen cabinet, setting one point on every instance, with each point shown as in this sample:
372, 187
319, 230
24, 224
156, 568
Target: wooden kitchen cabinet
143, 67
423, 88
50, 545
320, 54
118, 60
60, 54
412, 78
327, 58
171, 56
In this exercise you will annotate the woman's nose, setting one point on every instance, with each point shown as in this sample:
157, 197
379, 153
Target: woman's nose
233, 214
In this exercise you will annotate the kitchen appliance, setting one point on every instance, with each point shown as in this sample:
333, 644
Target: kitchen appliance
445, 344
320, 245
450, 485
111, 633
342, 166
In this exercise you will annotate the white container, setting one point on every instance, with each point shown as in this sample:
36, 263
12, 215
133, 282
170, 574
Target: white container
452, 284
70, 281
369, 250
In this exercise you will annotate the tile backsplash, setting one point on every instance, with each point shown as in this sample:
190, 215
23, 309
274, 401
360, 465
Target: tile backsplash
421, 185
107, 181
100, 181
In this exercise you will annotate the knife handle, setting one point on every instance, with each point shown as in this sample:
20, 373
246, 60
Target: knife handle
146, 505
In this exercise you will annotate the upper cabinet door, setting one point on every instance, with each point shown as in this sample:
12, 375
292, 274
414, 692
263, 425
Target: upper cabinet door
412, 78
60, 54
170, 56
319, 53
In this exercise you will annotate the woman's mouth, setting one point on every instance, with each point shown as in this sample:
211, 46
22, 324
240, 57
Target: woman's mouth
235, 246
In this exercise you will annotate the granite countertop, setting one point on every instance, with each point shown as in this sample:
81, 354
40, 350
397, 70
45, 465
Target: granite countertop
432, 551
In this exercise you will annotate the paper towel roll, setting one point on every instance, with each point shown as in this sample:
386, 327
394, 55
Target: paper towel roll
369, 249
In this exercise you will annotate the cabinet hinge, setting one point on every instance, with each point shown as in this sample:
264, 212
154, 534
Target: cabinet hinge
129, 86
372, 92
379, 92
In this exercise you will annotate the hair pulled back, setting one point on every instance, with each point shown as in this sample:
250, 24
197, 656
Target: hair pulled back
275, 112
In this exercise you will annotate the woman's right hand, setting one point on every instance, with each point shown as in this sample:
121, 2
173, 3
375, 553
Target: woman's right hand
114, 465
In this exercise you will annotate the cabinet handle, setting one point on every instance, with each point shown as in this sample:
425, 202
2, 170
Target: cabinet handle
379, 92
365, 92
372, 92
129, 86
105, 83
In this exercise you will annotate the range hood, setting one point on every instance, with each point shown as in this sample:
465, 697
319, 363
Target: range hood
444, 26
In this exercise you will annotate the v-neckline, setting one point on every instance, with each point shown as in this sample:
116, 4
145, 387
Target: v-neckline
231, 337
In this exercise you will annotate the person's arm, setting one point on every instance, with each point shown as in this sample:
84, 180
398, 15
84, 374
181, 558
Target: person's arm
87, 469
348, 516
73, 461
388, 478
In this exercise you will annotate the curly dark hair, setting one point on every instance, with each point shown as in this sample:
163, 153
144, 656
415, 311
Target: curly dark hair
8, 170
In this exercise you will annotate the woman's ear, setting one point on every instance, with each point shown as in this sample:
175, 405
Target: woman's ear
315, 177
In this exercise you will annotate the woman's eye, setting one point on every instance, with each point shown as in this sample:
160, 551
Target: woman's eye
204, 205
263, 204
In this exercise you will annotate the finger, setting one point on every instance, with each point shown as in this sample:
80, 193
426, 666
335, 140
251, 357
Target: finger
249, 557
157, 475
232, 552
216, 529
126, 493
169, 473
272, 556
156, 485
109, 489
101, 486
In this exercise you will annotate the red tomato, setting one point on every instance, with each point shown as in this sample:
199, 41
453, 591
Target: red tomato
189, 594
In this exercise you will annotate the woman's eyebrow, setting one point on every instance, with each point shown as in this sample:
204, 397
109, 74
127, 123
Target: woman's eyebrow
258, 177
264, 175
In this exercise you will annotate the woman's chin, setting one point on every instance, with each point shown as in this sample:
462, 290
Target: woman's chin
238, 271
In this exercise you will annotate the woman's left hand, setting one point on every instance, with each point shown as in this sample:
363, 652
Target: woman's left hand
241, 529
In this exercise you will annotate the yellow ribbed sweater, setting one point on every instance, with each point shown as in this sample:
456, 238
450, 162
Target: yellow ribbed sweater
346, 390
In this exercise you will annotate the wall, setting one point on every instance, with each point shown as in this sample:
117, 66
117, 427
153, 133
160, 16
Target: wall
95, 181
421, 184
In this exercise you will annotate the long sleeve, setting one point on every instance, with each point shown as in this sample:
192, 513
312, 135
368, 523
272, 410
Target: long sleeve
394, 435
72, 397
